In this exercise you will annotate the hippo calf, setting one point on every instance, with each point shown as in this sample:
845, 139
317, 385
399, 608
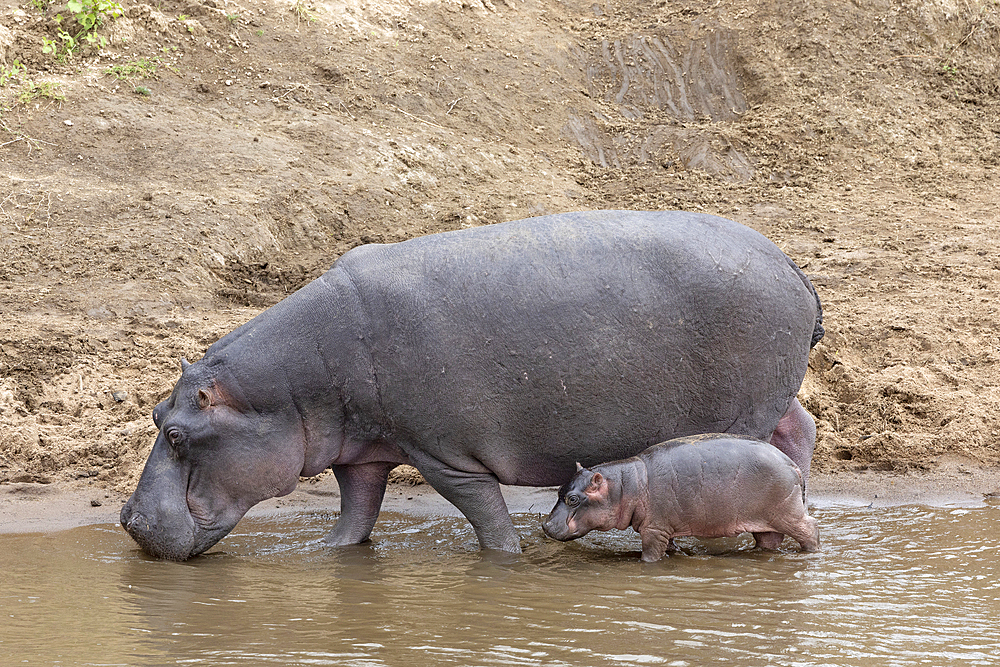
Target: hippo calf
708, 486
485, 356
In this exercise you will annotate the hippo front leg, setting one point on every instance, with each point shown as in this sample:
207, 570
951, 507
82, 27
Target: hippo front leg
362, 488
655, 544
478, 497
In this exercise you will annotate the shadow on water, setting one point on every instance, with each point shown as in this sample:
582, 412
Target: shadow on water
892, 586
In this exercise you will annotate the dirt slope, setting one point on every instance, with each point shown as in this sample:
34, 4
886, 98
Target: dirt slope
142, 218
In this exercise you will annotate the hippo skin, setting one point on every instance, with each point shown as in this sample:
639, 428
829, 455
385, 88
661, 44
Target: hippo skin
498, 354
708, 486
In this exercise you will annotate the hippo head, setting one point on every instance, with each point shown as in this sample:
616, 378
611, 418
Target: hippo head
583, 506
216, 455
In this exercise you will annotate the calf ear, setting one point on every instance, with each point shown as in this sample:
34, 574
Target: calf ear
212, 395
597, 488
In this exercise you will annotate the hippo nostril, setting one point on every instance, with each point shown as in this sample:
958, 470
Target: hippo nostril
132, 521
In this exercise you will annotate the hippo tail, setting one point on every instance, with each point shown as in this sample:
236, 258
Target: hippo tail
818, 330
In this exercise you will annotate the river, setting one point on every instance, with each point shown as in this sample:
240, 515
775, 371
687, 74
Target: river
905, 585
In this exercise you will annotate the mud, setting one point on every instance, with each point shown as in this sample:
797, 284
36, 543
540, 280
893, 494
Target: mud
143, 217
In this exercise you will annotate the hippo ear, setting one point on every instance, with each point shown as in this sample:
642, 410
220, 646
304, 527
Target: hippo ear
205, 399
184, 364
597, 480
598, 487
578, 466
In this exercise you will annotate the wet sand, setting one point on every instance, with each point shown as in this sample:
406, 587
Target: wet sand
62, 505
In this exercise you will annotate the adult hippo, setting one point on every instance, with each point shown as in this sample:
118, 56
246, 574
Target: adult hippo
500, 354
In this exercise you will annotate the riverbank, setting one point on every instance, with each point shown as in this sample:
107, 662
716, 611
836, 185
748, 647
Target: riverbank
196, 164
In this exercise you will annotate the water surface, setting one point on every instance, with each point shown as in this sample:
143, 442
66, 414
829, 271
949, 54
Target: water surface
905, 585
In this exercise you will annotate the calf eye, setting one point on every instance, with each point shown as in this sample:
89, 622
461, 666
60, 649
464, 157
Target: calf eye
572, 500
173, 436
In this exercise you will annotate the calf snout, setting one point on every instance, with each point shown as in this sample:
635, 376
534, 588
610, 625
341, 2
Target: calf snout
549, 528
561, 526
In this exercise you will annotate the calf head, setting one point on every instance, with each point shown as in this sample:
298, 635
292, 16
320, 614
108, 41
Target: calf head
584, 505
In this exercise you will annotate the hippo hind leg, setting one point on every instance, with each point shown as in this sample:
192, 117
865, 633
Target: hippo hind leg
477, 495
795, 435
792, 521
806, 533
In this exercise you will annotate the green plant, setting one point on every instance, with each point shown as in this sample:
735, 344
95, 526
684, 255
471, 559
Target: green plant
303, 11
89, 15
143, 90
47, 89
143, 68
11, 73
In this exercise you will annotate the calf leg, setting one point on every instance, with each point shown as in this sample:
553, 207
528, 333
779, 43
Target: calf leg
771, 541
806, 534
790, 518
655, 543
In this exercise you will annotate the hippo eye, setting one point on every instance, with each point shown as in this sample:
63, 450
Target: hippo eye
572, 500
173, 436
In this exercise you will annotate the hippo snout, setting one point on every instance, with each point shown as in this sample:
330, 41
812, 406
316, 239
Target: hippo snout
173, 539
129, 519
557, 528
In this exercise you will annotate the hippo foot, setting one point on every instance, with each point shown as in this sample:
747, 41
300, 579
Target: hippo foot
333, 539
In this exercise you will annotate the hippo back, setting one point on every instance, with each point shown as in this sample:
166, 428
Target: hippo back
523, 347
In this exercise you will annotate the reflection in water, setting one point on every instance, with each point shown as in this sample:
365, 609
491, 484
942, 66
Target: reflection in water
895, 586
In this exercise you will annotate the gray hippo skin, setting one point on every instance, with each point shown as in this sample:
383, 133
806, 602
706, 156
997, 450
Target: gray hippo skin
708, 486
499, 354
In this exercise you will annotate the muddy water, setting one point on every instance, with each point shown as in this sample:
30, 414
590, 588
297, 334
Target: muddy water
904, 585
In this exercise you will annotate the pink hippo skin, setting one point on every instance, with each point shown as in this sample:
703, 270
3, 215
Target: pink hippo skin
705, 486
